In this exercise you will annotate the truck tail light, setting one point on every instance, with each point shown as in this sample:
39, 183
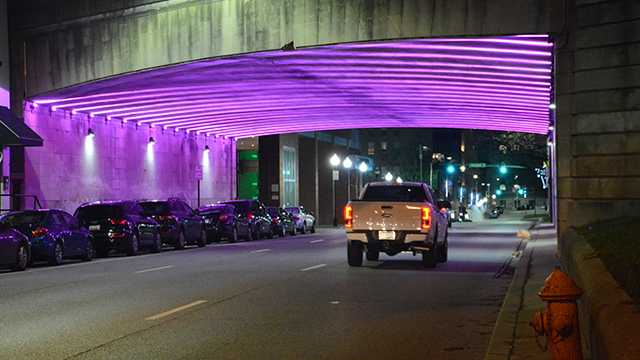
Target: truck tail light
426, 218
348, 216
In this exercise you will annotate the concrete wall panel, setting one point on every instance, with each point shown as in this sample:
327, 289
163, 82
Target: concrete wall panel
118, 163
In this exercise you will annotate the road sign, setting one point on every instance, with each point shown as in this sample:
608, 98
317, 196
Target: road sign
198, 172
336, 175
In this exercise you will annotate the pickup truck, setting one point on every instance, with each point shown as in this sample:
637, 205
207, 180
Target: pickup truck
396, 217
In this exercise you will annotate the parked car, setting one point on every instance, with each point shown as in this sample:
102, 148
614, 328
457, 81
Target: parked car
303, 220
254, 214
120, 226
54, 235
281, 222
221, 221
15, 248
179, 223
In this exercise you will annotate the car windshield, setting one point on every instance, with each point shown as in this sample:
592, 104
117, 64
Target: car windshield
154, 207
99, 212
23, 218
242, 206
273, 211
395, 193
293, 210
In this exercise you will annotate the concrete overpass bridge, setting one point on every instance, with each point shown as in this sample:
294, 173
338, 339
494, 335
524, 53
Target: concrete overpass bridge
591, 75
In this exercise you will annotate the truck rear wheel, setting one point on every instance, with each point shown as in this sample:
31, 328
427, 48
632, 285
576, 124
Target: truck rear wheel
430, 258
443, 251
373, 254
354, 253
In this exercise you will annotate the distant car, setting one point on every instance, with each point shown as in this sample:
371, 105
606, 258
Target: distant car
492, 213
179, 223
304, 221
281, 221
446, 210
221, 222
254, 214
15, 248
120, 226
54, 235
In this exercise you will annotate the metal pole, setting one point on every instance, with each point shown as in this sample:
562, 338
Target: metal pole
431, 173
333, 198
349, 184
420, 158
198, 193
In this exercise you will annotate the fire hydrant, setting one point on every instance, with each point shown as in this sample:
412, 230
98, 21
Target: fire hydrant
559, 322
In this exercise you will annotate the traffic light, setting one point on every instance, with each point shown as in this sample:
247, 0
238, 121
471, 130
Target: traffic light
498, 192
451, 169
502, 169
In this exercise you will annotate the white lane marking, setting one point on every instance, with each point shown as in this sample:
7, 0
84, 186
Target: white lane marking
315, 241
314, 267
175, 310
335, 302
154, 269
259, 251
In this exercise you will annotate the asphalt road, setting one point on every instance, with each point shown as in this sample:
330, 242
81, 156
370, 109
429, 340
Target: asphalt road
292, 298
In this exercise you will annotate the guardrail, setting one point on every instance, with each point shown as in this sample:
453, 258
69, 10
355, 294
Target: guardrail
36, 201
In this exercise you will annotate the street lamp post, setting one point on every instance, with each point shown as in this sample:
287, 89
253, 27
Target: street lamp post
348, 164
335, 162
363, 167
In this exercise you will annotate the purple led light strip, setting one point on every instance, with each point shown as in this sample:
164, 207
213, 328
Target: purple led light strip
498, 83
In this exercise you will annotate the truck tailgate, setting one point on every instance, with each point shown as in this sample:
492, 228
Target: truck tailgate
372, 215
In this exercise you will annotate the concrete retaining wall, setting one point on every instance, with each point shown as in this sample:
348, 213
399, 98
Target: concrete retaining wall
118, 163
609, 321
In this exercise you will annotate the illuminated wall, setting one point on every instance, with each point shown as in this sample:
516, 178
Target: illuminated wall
118, 161
4, 55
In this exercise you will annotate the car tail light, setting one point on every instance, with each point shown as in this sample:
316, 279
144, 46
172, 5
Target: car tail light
39, 231
426, 218
348, 216
250, 215
223, 218
119, 222
274, 221
443, 211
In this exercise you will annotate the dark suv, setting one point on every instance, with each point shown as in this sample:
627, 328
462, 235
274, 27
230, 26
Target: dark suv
254, 214
120, 226
179, 223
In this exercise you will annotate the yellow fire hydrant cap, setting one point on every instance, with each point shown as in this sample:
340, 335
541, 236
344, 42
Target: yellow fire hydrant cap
559, 287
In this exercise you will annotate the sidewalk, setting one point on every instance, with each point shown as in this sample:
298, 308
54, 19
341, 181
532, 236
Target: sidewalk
512, 337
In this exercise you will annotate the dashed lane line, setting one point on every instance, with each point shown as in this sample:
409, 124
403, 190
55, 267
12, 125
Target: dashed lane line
314, 267
175, 310
154, 269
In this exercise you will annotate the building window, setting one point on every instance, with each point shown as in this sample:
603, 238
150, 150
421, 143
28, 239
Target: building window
289, 196
371, 149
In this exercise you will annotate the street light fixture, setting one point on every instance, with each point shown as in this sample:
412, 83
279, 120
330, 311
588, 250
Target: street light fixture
399, 180
334, 160
463, 168
388, 177
475, 176
363, 167
347, 163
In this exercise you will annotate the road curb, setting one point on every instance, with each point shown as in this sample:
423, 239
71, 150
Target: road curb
504, 331
609, 321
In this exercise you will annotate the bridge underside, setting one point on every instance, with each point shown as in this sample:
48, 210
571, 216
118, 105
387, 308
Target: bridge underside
492, 83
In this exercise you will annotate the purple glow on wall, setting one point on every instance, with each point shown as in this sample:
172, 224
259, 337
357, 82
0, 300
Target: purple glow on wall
493, 83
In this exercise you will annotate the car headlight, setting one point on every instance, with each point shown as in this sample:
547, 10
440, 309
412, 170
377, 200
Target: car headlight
208, 220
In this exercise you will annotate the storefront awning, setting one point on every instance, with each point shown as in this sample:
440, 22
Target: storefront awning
14, 132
